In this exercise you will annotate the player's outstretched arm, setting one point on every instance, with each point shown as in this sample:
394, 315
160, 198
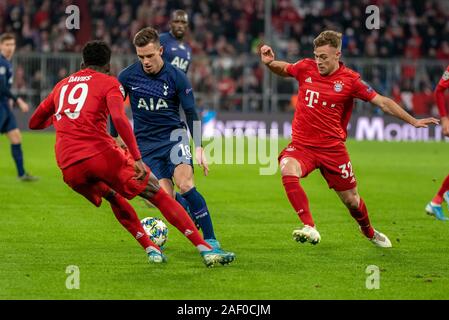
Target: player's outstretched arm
389, 106
194, 124
42, 116
121, 123
185, 94
23, 105
277, 67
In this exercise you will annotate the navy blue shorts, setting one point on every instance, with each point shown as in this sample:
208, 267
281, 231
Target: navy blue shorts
7, 120
163, 161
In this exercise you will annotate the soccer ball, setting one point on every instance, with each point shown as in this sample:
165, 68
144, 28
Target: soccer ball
156, 229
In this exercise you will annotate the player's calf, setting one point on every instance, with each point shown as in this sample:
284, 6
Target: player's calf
178, 217
128, 218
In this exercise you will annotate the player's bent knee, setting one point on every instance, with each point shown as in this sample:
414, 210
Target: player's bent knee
14, 136
290, 167
186, 186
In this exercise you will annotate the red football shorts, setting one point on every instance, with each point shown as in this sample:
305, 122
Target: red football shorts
96, 176
334, 164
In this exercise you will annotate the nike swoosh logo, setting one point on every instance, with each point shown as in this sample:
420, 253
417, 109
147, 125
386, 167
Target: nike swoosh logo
134, 88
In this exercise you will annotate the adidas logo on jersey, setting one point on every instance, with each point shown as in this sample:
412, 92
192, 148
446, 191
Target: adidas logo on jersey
309, 80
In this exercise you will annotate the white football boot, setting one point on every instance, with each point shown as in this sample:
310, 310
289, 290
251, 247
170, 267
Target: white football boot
381, 240
307, 234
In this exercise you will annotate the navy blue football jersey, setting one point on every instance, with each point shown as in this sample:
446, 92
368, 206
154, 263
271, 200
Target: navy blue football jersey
155, 102
6, 78
177, 53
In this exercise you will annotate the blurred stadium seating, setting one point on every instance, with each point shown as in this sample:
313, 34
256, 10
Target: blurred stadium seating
404, 58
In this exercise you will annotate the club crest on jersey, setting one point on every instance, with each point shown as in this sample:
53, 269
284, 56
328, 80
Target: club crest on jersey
165, 89
446, 75
338, 86
368, 87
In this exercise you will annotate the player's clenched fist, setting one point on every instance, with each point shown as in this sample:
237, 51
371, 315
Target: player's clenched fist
139, 168
266, 54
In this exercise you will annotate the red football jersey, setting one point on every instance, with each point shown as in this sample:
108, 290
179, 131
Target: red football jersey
444, 81
443, 84
80, 114
324, 103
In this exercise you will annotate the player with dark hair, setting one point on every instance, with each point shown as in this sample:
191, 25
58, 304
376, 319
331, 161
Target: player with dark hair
8, 123
327, 89
91, 162
176, 51
157, 89
434, 206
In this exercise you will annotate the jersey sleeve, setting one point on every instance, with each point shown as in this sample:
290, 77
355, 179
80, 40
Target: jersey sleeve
115, 88
163, 40
123, 81
187, 100
114, 101
361, 90
444, 81
4, 88
113, 92
443, 84
295, 69
43, 115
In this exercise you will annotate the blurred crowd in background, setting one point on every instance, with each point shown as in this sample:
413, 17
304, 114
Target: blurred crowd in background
224, 36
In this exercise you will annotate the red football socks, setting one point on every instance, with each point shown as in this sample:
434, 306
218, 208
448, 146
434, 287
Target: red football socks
298, 199
438, 199
361, 216
127, 216
177, 216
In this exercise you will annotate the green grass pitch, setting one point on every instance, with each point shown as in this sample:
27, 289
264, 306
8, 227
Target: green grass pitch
45, 227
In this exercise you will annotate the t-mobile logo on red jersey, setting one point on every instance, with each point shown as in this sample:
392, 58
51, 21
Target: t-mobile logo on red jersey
312, 97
